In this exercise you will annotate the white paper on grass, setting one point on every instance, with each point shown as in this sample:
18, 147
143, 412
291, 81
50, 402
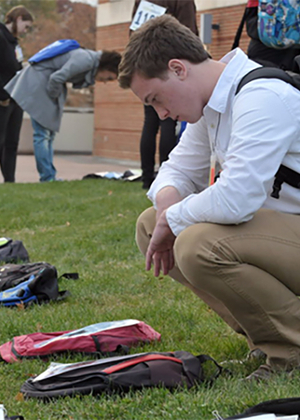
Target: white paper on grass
110, 175
135, 173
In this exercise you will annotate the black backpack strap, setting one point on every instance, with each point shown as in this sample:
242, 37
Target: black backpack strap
120, 349
62, 295
269, 73
205, 358
296, 64
239, 31
72, 276
284, 174
287, 175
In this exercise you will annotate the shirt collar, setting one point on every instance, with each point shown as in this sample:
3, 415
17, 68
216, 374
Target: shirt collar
237, 64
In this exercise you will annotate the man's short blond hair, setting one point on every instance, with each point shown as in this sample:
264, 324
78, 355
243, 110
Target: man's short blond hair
154, 44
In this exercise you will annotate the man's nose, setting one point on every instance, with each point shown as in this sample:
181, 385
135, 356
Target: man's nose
162, 113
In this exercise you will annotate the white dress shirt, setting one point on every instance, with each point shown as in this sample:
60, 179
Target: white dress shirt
249, 134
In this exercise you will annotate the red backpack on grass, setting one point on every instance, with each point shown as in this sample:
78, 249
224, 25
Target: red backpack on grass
97, 339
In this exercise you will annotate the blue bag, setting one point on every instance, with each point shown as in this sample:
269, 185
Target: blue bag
21, 294
279, 23
23, 284
56, 48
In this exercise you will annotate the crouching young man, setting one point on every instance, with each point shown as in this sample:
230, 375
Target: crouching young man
230, 242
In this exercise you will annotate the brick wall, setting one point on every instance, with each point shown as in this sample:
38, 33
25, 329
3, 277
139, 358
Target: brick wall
118, 114
229, 19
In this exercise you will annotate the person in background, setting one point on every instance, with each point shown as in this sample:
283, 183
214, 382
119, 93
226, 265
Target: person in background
17, 22
40, 90
228, 240
185, 13
257, 50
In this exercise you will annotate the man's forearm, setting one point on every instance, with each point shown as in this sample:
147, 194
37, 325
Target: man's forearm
166, 198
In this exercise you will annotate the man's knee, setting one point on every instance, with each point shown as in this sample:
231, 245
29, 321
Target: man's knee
196, 250
144, 227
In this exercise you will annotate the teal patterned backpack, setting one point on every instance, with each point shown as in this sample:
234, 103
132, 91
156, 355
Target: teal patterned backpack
279, 23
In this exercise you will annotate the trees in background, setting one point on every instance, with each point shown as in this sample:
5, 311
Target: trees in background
55, 19
45, 7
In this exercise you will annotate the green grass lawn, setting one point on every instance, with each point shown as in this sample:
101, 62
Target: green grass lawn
88, 226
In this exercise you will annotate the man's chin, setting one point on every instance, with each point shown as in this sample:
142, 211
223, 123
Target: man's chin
192, 120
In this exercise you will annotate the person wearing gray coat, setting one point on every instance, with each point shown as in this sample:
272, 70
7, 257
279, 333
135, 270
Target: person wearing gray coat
40, 90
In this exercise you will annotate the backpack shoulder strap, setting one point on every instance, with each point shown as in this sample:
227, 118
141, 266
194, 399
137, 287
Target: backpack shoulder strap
141, 359
251, 4
239, 31
269, 73
283, 174
72, 276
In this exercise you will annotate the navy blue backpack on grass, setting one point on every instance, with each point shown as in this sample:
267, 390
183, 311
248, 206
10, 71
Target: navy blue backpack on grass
23, 284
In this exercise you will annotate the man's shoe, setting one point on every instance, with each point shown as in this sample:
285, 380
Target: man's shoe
256, 354
263, 373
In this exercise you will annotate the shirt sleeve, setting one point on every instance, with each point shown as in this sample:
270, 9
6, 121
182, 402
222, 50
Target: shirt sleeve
187, 168
261, 136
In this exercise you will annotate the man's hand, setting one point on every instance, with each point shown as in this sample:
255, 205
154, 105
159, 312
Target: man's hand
160, 249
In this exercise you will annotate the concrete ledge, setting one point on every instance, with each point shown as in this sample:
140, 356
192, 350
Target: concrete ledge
75, 136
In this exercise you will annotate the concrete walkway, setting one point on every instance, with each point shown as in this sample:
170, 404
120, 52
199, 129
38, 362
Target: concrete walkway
70, 167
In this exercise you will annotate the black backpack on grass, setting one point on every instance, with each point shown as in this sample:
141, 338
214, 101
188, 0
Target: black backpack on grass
173, 370
23, 284
279, 407
12, 251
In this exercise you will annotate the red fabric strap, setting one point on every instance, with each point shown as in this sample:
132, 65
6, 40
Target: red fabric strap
252, 3
141, 359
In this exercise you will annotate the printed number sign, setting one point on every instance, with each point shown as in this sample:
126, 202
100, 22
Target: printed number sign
146, 11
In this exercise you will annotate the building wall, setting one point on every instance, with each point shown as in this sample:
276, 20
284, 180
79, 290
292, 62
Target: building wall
75, 134
118, 114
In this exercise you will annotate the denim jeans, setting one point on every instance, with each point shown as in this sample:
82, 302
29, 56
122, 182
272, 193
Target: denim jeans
43, 151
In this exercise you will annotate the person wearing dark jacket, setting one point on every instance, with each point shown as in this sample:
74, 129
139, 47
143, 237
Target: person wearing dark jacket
257, 50
185, 13
17, 21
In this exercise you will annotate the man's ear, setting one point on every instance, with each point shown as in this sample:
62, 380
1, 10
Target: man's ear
178, 68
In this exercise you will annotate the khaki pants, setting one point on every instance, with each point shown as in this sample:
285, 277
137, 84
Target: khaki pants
249, 274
